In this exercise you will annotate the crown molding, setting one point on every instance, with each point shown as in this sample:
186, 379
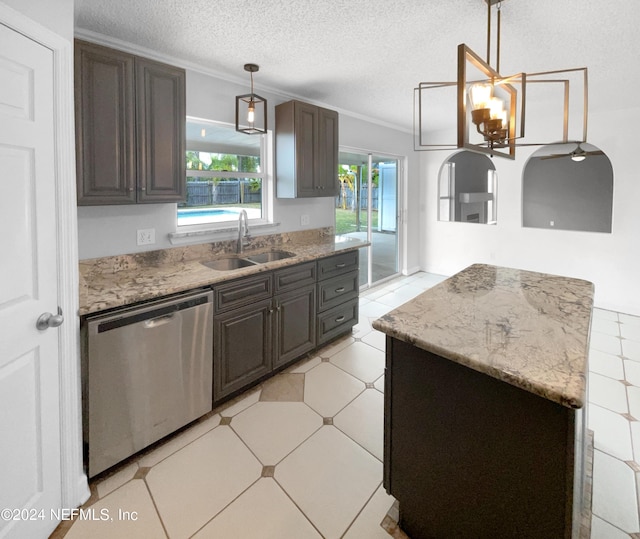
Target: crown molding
101, 39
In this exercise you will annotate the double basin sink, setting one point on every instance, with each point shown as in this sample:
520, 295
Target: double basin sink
235, 262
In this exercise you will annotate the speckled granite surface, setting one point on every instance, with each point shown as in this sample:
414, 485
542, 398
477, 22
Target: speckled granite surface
528, 329
115, 281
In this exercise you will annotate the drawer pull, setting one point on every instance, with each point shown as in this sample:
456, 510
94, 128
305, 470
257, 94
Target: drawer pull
340, 318
342, 265
340, 290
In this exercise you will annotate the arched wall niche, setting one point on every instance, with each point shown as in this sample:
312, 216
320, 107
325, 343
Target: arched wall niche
467, 189
563, 193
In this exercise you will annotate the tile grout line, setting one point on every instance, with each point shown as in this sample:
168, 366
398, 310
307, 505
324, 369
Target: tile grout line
361, 510
153, 501
281, 487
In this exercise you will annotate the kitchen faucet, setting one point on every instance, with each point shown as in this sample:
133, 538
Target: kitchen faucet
243, 231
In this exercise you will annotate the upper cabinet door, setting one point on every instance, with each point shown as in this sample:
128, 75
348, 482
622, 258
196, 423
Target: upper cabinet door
306, 150
327, 171
105, 134
161, 120
306, 156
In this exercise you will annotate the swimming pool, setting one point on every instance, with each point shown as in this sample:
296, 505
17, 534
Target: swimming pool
199, 216
204, 212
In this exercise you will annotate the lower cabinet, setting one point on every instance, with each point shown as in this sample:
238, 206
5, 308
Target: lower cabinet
266, 321
260, 324
295, 324
337, 295
242, 347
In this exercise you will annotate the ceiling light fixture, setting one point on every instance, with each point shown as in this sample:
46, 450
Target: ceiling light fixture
251, 108
496, 104
578, 154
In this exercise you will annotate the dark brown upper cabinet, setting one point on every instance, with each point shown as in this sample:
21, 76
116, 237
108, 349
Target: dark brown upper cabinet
306, 150
130, 128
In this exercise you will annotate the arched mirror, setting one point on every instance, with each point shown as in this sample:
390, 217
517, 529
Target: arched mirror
568, 186
467, 190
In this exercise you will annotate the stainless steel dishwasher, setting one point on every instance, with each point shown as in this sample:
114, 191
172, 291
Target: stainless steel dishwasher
147, 371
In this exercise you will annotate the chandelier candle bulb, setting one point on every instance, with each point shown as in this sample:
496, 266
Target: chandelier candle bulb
480, 95
496, 106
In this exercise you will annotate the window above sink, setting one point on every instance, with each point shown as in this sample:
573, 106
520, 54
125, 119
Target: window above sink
226, 172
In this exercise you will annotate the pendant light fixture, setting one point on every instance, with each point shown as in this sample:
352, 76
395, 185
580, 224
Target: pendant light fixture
496, 105
251, 109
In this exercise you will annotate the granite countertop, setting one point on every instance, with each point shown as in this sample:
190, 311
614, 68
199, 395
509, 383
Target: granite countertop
121, 280
528, 329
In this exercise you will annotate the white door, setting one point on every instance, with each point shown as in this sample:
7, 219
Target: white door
29, 377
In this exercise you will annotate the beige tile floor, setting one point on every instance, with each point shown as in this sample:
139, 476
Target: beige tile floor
301, 455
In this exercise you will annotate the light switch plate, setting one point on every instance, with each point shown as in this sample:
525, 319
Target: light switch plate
146, 236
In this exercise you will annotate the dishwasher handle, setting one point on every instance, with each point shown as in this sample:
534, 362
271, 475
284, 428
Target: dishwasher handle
159, 321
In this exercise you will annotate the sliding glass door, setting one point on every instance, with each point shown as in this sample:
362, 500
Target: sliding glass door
367, 208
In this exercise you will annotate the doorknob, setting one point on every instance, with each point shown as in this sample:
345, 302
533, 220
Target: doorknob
48, 320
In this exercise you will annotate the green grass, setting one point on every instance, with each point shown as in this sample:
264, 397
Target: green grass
346, 220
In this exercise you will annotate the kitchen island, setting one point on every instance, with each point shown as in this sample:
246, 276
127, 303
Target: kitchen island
485, 388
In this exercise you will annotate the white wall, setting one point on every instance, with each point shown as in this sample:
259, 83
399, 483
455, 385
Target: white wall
57, 15
111, 230
610, 261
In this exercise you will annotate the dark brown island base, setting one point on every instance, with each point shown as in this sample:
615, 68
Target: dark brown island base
485, 389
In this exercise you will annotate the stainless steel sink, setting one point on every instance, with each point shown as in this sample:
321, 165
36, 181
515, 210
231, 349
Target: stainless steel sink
227, 264
235, 262
270, 256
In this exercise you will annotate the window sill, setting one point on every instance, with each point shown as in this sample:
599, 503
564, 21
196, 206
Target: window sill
198, 234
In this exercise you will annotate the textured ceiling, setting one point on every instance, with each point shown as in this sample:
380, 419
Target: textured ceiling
366, 56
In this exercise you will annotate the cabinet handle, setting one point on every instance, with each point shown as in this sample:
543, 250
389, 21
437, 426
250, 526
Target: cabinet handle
340, 265
279, 308
340, 319
270, 311
340, 290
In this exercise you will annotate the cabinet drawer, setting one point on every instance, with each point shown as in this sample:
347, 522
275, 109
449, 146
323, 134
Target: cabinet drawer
337, 265
337, 320
294, 277
333, 292
242, 292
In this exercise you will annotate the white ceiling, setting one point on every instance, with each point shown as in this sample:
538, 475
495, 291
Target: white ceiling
366, 56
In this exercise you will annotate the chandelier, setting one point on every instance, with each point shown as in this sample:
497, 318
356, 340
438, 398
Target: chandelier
491, 108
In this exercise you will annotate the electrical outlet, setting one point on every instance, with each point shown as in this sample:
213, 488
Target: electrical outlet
304, 220
552, 223
146, 236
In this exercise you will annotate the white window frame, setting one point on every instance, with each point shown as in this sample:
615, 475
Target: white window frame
266, 164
